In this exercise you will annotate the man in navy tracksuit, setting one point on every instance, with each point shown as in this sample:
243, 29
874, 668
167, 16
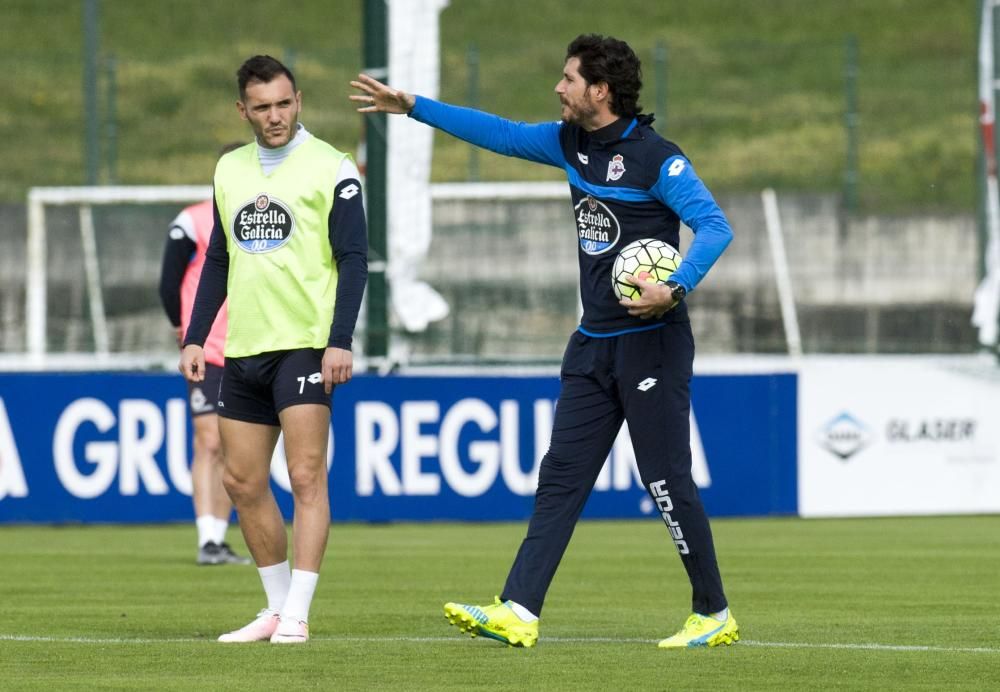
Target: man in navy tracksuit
630, 359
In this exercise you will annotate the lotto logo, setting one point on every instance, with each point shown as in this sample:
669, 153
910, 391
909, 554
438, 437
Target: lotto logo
675, 168
198, 401
647, 384
349, 191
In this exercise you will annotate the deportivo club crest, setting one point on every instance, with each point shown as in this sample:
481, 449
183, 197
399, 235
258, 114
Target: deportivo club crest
262, 225
596, 226
616, 167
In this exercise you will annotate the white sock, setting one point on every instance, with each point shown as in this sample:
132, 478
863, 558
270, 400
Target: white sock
722, 615
300, 595
276, 580
522, 612
219, 530
206, 529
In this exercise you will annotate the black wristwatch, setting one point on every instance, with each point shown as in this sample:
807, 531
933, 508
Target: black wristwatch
676, 290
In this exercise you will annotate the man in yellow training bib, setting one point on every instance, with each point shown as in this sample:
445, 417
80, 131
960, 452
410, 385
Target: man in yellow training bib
289, 250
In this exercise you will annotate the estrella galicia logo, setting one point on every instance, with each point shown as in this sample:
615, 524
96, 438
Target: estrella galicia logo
596, 225
844, 436
262, 225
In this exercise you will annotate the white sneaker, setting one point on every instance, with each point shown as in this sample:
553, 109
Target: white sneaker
291, 631
259, 630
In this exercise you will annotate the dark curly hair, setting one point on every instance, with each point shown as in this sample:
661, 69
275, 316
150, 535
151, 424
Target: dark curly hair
261, 68
606, 59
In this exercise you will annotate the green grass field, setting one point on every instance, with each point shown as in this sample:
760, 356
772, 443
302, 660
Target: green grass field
848, 604
753, 92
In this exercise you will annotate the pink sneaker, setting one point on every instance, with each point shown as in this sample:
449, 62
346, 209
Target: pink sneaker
259, 630
290, 631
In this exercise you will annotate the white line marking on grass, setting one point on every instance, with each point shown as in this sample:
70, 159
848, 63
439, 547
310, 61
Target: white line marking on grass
874, 647
546, 640
95, 640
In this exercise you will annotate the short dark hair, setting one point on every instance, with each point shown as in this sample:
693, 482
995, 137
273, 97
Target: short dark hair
261, 68
606, 59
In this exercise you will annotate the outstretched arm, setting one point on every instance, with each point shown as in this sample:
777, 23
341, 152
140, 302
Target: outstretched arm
534, 142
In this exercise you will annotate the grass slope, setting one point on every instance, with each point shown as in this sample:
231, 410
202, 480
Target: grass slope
754, 91
125, 608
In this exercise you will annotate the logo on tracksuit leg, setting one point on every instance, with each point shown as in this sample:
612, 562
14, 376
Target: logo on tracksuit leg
666, 505
647, 384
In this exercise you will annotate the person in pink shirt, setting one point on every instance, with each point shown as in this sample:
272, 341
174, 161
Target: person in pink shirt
183, 259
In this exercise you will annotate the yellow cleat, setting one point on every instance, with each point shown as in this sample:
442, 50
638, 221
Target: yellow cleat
495, 621
703, 630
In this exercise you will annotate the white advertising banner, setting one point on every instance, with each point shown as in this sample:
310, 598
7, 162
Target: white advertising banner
898, 435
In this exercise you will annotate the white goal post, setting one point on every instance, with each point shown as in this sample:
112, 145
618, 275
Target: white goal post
782, 274
85, 197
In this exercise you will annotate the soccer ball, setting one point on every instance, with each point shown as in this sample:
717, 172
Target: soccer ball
648, 259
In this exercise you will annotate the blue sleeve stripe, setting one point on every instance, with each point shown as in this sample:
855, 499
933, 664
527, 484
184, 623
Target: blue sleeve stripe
680, 188
535, 142
622, 194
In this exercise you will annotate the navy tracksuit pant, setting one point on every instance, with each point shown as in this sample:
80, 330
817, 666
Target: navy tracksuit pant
643, 378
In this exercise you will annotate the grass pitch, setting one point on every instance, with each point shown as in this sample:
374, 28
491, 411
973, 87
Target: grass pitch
842, 604
754, 92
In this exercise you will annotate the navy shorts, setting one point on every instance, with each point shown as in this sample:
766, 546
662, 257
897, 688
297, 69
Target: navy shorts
203, 396
256, 388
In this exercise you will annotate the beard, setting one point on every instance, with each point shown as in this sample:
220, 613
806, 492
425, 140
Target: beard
578, 113
288, 132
